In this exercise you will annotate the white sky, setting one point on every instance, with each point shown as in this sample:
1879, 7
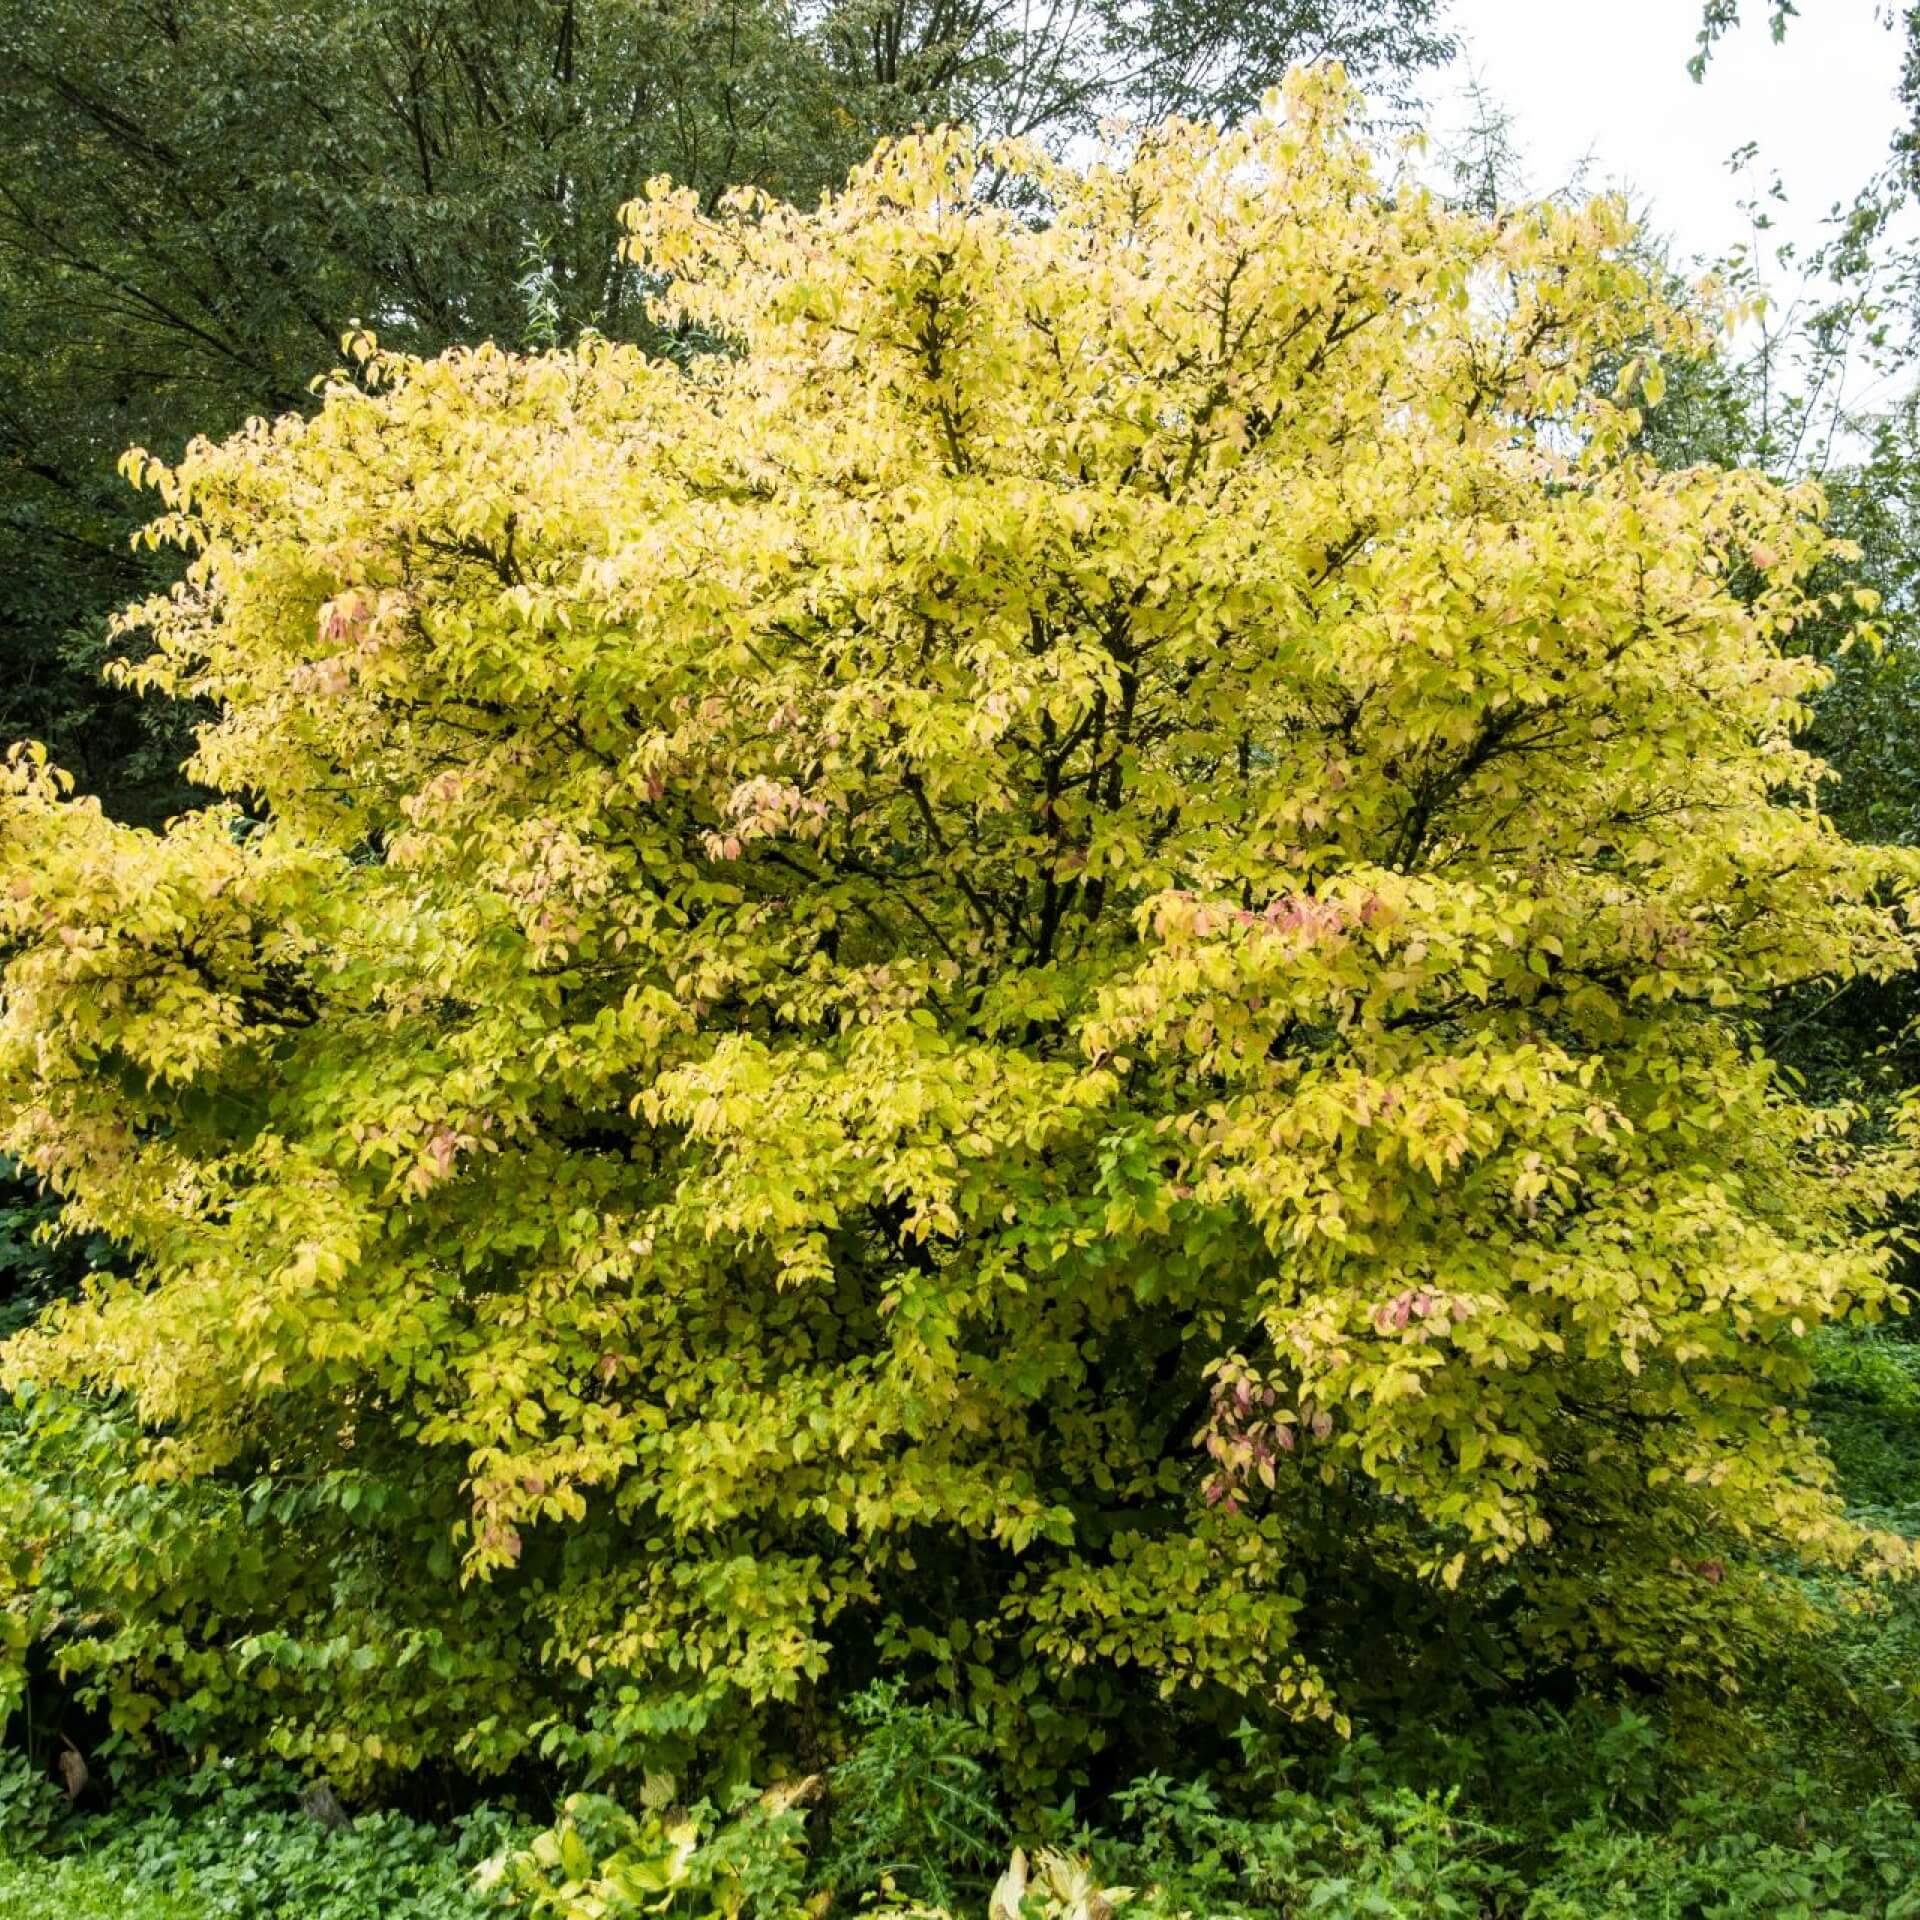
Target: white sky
1609, 84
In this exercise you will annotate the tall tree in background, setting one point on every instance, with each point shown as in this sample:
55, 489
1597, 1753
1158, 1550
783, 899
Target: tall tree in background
200, 195
1047, 67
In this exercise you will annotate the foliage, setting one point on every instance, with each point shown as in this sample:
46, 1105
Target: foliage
324, 1655
1720, 17
912, 1805
1389, 1852
1866, 719
1054, 71
30, 1803
601, 1862
220, 1846
1593, 1815
1709, 1867
978, 989
200, 195
1362, 1842
1868, 1400
1060, 1886
31, 1271
1596, 1814
76, 1890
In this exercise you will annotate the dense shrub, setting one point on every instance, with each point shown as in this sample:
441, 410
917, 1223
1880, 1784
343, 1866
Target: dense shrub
1039, 980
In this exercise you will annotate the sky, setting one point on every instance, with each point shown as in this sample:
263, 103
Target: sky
1609, 85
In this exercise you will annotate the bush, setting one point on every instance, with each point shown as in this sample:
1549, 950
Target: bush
1039, 979
1723, 1860
1388, 1852
1595, 1814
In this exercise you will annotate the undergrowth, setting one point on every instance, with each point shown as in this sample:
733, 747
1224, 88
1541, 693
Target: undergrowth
1593, 1815
1796, 1802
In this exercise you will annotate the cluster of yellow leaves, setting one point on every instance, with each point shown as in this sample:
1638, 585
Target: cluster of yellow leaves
1083, 831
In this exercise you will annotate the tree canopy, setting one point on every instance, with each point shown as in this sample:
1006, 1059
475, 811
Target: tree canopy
1042, 976
200, 196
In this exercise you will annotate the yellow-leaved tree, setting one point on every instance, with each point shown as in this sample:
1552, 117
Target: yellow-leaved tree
1041, 974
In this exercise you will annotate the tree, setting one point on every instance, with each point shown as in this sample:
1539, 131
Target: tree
1041, 980
1056, 69
202, 195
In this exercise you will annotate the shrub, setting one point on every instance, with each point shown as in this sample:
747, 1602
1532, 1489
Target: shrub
1735, 1857
1041, 979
